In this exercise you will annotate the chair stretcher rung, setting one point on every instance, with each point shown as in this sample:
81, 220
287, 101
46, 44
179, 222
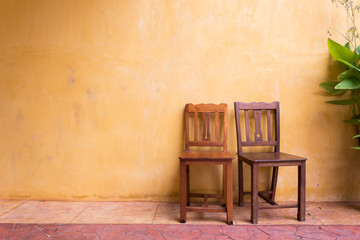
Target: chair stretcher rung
278, 206
268, 200
263, 192
205, 209
202, 195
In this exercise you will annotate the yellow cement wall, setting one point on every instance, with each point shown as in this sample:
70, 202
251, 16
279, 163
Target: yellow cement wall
92, 93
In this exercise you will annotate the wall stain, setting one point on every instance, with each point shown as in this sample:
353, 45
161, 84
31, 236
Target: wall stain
59, 134
105, 197
19, 117
14, 160
71, 78
13, 164
90, 95
16, 196
79, 196
77, 112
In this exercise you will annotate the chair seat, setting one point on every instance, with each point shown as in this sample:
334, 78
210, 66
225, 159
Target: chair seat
266, 157
201, 155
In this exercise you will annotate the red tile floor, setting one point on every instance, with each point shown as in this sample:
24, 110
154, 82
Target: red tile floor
151, 220
151, 231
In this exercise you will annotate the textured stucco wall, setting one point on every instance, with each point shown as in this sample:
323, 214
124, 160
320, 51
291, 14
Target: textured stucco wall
92, 93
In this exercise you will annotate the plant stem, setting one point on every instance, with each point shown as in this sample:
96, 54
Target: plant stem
350, 42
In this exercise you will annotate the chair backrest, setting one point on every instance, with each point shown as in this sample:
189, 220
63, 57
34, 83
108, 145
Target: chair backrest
252, 114
206, 125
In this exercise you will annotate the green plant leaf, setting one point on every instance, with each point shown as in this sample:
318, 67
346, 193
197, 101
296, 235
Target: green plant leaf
330, 88
356, 136
340, 52
347, 45
348, 73
357, 60
349, 83
353, 121
357, 148
357, 50
348, 64
343, 102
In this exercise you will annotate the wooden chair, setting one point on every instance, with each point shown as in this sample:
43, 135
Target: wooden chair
273, 159
207, 132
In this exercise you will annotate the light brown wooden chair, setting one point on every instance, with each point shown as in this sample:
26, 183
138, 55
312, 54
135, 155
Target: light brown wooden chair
206, 132
269, 137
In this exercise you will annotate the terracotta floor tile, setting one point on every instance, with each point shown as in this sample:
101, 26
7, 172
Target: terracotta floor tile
278, 230
209, 229
283, 238
181, 232
112, 232
177, 231
118, 212
4, 228
212, 237
271, 216
244, 232
51, 228
346, 238
142, 233
349, 231
24, 231
314, 232
44, 212
336, 213
6, 206
73, 236
47, 212
169, 213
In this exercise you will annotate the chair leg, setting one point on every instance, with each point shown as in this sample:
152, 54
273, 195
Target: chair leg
274, 183
187, 185
229, 193
241, 183
224, 188
301, 191
183, 191
254, 193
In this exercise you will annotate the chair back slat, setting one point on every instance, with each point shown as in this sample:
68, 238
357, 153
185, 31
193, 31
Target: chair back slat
258, 133
247, 125
195, 125
277, 124
217, 125
255, 123
268, 116
210, 122
206, 126
187, 137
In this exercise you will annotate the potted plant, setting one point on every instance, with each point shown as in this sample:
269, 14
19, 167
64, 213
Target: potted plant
347, 82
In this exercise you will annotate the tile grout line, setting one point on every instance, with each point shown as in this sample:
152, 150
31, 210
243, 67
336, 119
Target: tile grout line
157, 207
79, 213
321, 223
12, 209
313, 216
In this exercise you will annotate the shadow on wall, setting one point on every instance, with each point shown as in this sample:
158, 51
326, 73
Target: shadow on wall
346, 161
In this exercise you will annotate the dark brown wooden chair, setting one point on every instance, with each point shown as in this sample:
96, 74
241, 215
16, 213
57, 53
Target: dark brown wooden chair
206, 133
254, 115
